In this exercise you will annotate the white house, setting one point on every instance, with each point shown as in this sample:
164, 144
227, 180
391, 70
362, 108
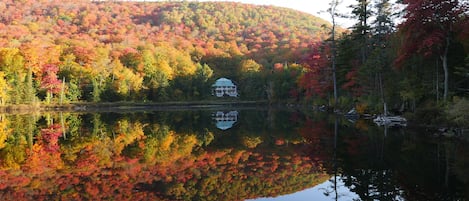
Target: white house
224, 87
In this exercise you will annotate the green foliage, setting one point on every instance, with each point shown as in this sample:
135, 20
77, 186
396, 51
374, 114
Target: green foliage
458, 112
96, 91
252, 86
73, 92
430, 114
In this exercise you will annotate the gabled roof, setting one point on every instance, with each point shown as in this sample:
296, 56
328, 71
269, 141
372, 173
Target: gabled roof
223, 82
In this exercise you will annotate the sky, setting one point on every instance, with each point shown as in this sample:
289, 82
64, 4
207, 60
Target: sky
323, 192
313, 7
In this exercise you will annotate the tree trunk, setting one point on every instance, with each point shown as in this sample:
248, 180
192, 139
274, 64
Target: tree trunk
444, 61
437, 83
62, 91
332, 11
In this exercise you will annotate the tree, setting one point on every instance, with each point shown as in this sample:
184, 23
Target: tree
362, 29
131, 58
200, 84
4, 88
249, 65
29, 89
317, 78
383, 27
157, 73
49, 81
429, 29
333, 12
12, 70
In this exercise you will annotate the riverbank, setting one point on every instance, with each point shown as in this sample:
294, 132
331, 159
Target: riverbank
126, 106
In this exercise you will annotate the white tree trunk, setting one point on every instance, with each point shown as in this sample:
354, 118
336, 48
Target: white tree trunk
444, 61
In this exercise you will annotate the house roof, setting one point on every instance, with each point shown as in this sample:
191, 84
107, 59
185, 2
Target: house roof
223, 82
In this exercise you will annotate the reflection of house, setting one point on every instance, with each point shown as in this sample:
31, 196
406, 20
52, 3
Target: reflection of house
225, 121
224, 87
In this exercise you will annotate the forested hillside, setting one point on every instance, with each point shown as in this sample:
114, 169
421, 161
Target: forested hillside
103, 51
55, 51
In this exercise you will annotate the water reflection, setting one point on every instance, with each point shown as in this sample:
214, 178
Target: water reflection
223, 120
182, 155
320, 192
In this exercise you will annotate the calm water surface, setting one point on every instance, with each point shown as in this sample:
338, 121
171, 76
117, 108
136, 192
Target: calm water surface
224, 154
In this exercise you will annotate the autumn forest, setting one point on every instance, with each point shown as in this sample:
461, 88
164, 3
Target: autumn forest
146, 51
294, 73
55, 52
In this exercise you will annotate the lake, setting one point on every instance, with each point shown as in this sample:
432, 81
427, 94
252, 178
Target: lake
224, 154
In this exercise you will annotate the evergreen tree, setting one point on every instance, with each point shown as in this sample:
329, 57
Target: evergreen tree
379, 60
362, 12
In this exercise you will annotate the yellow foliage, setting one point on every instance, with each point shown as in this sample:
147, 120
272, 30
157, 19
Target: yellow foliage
170, 148
13, 154
186, 145
361, 125
33, 27
103, 150
125, 79
101, 62
163, 67
4, 131
250, 65
361, 108
129, 134
251, 142
179, 62
4, 88
167, 141
11, 60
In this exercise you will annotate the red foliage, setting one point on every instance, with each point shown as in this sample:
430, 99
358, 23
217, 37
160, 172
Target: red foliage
49, 80
278, 67
316, 81
84, 55
279, 142
313, 131
426, 28
50, 137
352, 82
87, 159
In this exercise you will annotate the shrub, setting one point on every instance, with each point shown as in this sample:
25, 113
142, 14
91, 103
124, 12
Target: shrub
430, 115
458, 112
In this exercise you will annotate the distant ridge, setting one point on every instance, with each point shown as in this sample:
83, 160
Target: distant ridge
219, 27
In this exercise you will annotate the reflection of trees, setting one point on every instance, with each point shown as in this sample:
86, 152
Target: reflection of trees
110, 158
279, 129
430, 168
4, 130
19, 137
366, 169
461, 166
319, 137
399, 165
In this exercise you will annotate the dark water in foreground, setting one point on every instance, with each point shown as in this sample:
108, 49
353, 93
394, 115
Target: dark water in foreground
224, 155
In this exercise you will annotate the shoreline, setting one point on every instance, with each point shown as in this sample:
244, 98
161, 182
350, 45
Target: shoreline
138, 106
